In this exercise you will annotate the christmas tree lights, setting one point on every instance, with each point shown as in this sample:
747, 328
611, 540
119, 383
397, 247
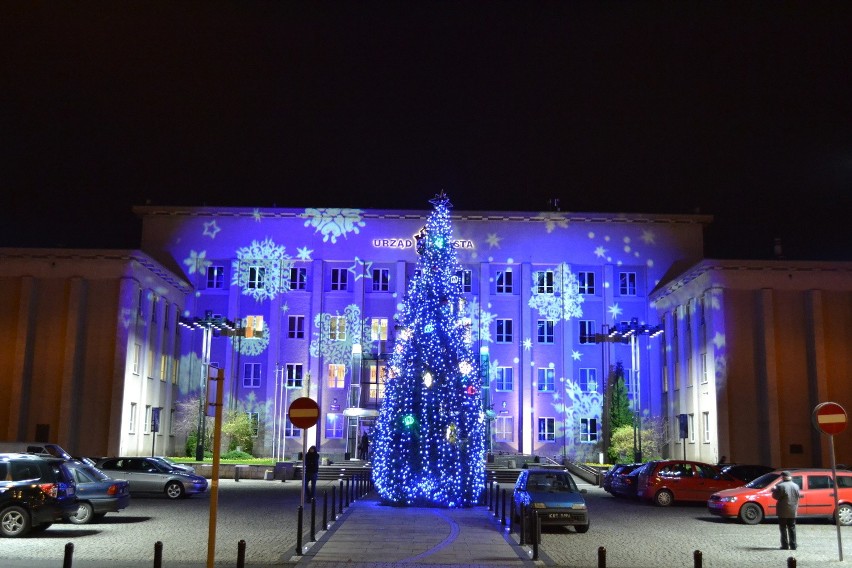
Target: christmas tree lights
429, 443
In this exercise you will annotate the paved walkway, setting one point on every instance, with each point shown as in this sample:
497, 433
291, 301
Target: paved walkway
369, 534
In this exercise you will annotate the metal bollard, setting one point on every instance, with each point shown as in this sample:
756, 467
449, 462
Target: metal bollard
601, 557
496, 500
313, 519
325, 510
241, 554
697, 559
536, 534
347, 492
69, 555
791, 562
341, 495
511, 516
333, 502
503, 510
299, 532
158, 554
522, 530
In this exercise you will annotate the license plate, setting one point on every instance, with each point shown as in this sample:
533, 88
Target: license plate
559, 515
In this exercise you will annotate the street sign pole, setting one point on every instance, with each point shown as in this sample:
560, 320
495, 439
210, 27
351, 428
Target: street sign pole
830, 418
303, 413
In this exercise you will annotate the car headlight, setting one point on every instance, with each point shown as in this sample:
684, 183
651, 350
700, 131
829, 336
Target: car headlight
727, 499
539, 506
580, 506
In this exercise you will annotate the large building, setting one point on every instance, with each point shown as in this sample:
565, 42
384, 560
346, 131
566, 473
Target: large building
554, 299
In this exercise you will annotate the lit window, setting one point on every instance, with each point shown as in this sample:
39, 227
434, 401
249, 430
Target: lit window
627, 283
546, 429
504, 331
504, 379
137, 356
339, 279
704, 375
705, 418
296, 327
132, 426
146, 427
334, 425
216, 277
251, 375
545, 331
337, 328
379, 329
164, 367
381, 280
546, 379
336, 376
504, 428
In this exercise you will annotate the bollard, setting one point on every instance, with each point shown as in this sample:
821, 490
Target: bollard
490, 491
325, 510
511, 515
313, 520
791, 562
347, 492
341, 496
536, 534
522, 530
503, 510
69, 555
158, 554
333, 502
241, 554
697, 559
601, 557
496, 500
299, 532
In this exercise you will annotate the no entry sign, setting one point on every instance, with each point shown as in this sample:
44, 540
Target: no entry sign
830, 418
303, 412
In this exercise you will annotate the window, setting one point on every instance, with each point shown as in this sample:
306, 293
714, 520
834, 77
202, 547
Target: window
704, 368
172, 419
336, 376
216, 277
545, 331
691, 418
379, 329
587, 332
254, 423
381, 280
251, 375
588, 380
628, 382
504, 331
334, 425
294, 375
337, 328
339, 278
175, 371
546, 379
627, 283
504, 282
149, 363
504, 428
137, 356
139, 307
546, 429
155, 307
146, 427
378, 375
257, 277
291, 431
466, 280
705, 419
164, 367
586, 283
504, 379
298, 278
588, 430
132, 426
296, 327
544, 282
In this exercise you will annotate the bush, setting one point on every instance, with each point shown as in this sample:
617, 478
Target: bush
236, 455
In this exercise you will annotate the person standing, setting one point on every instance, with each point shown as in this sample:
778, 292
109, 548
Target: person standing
363, 446
787, 495
311, 472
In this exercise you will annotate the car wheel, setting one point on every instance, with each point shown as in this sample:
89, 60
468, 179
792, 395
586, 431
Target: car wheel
14, 521
751, 514
175, 490
664, 498
85, 514
582, 528
844, 514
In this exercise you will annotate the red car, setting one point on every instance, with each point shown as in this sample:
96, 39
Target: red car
753, 502
667, 481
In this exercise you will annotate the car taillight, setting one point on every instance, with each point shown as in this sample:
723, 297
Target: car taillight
48, 489
113, 489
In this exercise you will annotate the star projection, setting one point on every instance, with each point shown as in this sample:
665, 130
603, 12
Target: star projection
429, 444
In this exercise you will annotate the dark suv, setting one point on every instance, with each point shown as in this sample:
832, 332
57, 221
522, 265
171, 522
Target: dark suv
34, 493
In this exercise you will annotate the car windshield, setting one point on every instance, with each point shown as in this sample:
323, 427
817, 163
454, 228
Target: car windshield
763, 480
553, 482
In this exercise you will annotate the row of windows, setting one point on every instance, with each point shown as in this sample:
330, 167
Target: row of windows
153, 419
504, 281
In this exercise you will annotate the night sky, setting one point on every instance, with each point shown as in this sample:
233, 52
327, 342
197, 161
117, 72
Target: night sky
739, 110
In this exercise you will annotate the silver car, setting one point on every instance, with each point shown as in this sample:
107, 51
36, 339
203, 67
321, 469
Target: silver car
150, 476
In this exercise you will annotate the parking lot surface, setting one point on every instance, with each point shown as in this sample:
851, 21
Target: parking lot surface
263, 514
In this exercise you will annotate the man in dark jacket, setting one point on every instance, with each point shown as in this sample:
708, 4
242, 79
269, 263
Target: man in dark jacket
311, 472
787, 495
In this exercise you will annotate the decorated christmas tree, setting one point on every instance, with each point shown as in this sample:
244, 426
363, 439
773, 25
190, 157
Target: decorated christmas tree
429, 442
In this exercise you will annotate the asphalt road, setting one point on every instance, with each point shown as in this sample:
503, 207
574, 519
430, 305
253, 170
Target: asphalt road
263, 514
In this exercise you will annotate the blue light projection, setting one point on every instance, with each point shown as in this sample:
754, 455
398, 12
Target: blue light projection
262, 270
429, 444
334, 222
336, 334
564, 301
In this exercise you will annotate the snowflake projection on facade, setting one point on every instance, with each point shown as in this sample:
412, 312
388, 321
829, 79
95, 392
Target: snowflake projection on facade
127, 317
576, 355
554, 220
577, 404
196, 262
252, 345
361, 269
304, 253
334, 222
210, 229
480, 321
565, 301
336, 334
493, 240
527, 344
630, 251
262, 270
257, 215
615, 311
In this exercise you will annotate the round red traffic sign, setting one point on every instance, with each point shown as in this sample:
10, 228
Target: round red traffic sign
830, 418
303, 412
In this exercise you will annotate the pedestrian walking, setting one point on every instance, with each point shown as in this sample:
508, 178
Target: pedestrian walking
363, 447
311, 472
787, 495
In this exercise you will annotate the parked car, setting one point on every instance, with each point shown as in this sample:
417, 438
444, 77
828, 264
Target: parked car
615, 470
625, 485
97, 493
147, 475
172, 464
35, 492
745, 472
753, 502
554, 495
667, 481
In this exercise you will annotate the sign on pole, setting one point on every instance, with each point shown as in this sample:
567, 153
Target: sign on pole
303, 413
830, 418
